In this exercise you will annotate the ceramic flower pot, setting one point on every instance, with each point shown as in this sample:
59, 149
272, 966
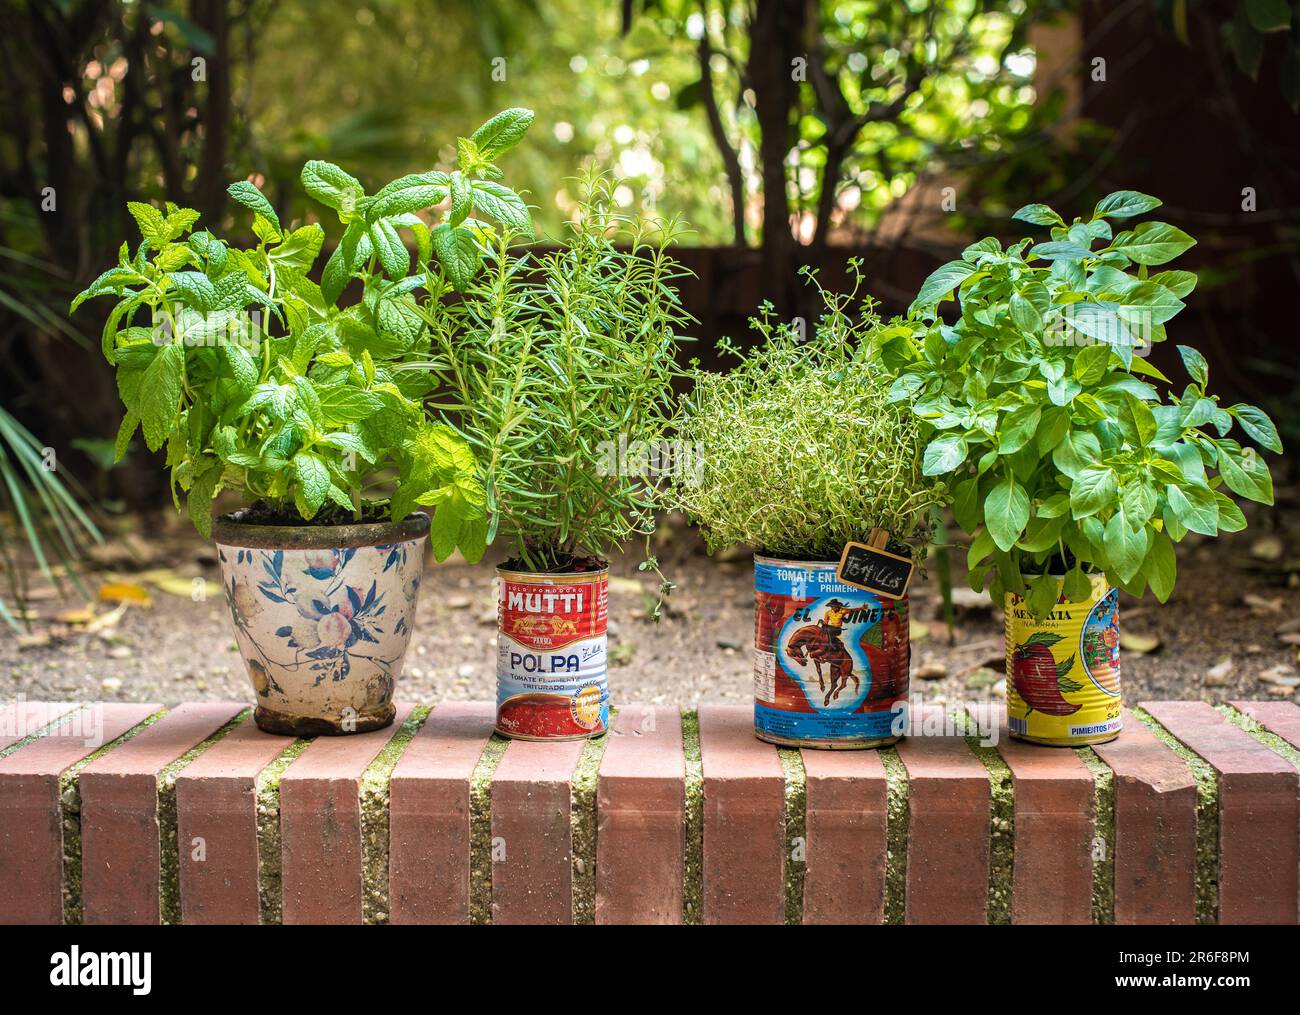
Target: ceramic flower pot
322, 618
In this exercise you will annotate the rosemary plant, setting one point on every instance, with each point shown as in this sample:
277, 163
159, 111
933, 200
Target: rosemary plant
553, 366
802, 450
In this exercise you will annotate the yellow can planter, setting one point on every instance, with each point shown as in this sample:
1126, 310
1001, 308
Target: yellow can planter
1063, 685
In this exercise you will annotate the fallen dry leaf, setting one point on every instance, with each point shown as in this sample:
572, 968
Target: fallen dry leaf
82, 616
125, 592
1142, 644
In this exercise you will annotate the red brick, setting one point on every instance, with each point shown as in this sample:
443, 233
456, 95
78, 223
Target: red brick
948, 829
119, 814
1052, 846
1155, 828
216, 804
1259, 814
531, 791
31, 826
320, 826
847, 806
20, 719
641, 810
429, 833
1281, 718
744, 808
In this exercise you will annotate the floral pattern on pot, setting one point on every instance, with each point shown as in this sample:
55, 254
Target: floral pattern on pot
323, 632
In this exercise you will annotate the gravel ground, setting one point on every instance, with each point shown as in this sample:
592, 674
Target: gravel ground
1234, 618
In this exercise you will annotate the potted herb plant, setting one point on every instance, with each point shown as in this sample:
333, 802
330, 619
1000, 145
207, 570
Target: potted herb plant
254, 378
553, 365
803, 452
1074, 473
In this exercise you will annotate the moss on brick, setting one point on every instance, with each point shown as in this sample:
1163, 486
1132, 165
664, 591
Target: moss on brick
1103, 842
897, 817
40, 731
795, 820
374, 818
480, 829
169, 860
70, 800
1270, 740
1207, 819
582, 825
270, 896
693, 866
1002, 822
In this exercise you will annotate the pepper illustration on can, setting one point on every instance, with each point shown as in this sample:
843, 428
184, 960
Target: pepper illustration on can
1063, 674
552, 680
830, 662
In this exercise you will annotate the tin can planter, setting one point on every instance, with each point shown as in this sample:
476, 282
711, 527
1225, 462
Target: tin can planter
1063, 686
552, 650
830, 661
322, 617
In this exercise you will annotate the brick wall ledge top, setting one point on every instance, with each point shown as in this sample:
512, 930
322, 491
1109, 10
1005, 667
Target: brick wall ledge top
121, 813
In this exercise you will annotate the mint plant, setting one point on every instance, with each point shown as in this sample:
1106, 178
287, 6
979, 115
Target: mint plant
252, 376
1041, 409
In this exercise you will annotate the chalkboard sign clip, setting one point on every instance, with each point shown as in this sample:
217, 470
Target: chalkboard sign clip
871, 567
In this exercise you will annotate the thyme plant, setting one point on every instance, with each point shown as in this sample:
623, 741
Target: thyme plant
552, 366
802, 449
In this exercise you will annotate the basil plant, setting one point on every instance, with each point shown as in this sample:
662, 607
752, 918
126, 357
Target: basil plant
1066, 452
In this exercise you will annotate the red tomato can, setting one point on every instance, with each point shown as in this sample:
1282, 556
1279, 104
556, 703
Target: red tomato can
552, 651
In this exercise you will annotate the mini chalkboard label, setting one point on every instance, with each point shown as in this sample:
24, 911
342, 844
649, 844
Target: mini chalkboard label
871, 567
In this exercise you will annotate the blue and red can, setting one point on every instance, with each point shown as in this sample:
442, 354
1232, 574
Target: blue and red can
831, 661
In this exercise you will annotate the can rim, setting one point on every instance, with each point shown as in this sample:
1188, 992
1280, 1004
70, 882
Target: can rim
539, 577
833, 564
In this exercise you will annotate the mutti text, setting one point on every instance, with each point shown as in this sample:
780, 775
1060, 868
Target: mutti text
545, 602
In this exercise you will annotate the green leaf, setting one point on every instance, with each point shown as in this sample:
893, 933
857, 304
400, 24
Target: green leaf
332, 186
1180, 283
1126, 547
1090, 363
299, 249
942, 281
252, 198
1230, 517
1039, 215
1269, 15
313, 482
1056, 250
1153, 243
504, 205
458, 253
392, 252
151, 223
124, 434
1194, 507
1094, 489
410, 194
502, 132
1161, 566
160, 394
201, 495
1257, 424
1025, 316
1125, 204
944, 454
1246, 474
1006, 512
1044, 591
1077, 586
1195, 363
1018, 428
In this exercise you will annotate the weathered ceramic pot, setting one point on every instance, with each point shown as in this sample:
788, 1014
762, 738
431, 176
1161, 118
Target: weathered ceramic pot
322, 617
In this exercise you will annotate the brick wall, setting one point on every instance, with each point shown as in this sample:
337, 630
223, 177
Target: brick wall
132, 813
